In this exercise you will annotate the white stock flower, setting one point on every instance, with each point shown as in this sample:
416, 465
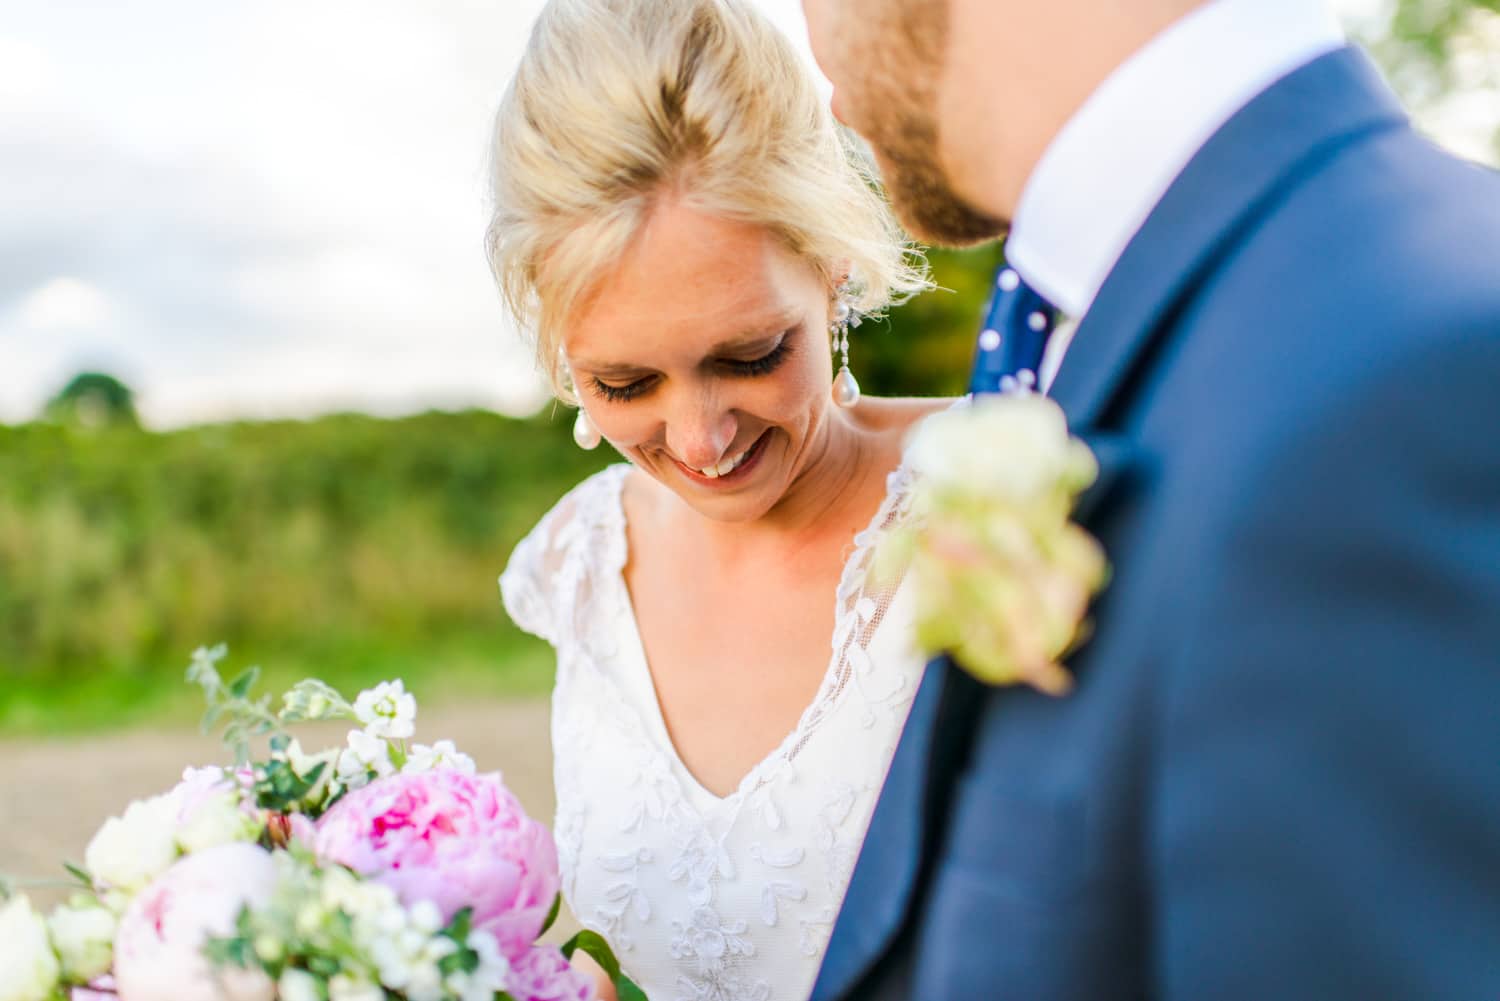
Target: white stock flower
489, 978
1015, 447
443, 754
84, 936
387, 710
347, 988
364, 754
28, 966
130, 851
217, 820
297, 985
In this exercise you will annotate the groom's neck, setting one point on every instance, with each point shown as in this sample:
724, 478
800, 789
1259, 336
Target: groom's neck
1017, 70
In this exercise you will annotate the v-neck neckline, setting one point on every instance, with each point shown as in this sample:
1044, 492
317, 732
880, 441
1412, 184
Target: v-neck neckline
648, 706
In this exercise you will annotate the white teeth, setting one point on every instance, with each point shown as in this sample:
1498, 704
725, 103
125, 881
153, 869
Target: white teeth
724, 468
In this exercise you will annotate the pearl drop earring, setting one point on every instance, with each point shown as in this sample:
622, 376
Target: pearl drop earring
845, 386
584, 432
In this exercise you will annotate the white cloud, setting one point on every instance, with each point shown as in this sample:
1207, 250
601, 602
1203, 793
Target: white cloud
65, 304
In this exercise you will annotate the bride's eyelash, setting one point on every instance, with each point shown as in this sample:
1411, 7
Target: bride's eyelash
619, 394
764, 365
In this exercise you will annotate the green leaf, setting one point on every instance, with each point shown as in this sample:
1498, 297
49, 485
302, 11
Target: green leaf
597, 949
79, 873
462, 924
240, 687
593, 945
280, 742
626, 989
552, 915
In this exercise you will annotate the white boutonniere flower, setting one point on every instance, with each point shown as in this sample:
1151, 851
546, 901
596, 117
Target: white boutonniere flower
1003, 576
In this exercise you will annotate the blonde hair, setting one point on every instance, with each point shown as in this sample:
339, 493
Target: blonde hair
618, 102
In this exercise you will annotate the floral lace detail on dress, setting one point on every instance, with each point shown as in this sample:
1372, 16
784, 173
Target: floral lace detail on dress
707, 898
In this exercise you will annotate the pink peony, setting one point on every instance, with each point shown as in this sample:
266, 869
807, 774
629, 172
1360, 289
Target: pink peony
98, 989
455, 840
543, 974
158, 949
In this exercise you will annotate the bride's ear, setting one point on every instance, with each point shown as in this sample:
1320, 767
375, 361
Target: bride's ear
839, 273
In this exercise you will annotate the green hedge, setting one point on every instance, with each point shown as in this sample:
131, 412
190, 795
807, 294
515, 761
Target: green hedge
349, 546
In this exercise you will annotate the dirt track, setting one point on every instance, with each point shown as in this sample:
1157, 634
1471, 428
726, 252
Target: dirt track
55, 794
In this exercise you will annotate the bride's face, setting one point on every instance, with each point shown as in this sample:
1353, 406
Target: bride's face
704, 358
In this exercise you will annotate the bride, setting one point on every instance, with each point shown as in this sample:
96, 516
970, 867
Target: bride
681, 228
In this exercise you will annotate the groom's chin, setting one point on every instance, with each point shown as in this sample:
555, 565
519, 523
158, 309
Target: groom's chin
944, 219
931, 211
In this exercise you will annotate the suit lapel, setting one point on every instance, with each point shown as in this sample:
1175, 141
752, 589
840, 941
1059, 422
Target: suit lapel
1234, 180
885, 880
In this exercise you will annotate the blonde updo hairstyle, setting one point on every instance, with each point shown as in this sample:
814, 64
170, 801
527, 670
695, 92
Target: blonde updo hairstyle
618, 103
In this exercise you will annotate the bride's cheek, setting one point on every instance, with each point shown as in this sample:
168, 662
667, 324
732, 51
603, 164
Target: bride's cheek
622, 428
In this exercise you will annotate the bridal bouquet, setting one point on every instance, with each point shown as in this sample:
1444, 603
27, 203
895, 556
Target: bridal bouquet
379, 870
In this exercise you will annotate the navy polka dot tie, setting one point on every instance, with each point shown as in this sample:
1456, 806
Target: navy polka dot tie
1017, 326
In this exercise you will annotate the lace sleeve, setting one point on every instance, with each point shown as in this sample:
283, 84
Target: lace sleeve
523, 585
544, 566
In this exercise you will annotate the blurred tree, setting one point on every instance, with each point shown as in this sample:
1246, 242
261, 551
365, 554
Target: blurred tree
1423, 37
93, 400
924, 347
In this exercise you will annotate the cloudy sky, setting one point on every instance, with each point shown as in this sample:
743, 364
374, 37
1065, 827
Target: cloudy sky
260, 209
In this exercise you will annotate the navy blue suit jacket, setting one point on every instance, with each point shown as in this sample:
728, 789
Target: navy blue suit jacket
1279, 774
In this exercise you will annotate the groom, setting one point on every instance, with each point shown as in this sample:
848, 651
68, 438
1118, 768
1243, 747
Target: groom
1278, 776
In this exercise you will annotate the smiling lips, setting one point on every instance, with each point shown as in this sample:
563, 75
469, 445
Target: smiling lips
727, 468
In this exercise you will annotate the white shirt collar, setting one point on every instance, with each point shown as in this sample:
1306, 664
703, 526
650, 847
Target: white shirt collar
1115, 158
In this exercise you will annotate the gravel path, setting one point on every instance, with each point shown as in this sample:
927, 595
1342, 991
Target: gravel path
55, 794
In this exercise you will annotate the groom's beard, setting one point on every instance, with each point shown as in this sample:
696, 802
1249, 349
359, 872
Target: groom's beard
919, 188
902, 125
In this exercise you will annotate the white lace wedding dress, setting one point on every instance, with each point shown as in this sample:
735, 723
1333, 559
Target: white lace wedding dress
706, 898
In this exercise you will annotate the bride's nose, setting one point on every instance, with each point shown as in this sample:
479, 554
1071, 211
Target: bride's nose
699, 431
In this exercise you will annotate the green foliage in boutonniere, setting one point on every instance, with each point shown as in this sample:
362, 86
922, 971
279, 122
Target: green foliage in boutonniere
1003, 576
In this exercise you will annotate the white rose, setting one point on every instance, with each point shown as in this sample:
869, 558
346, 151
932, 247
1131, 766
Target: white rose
28, 966
297, 985
158, 950
217, 820
387, 710
1015, 446
84, 935
130, 851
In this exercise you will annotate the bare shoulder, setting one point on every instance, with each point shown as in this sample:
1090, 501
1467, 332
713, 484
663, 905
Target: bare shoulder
896, 415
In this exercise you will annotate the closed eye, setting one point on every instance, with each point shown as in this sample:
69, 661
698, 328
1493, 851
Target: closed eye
766, 363
620, 394
746, 368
